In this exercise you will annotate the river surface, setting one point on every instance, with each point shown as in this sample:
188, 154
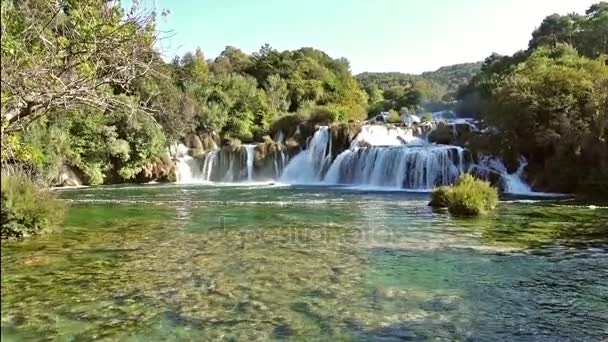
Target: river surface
247, 263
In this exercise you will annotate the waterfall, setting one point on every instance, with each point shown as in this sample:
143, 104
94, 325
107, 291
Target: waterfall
187, 169
208, 164
409, 167
228, 164
250, 159
511, 182
380, 156
309, 165
280, 138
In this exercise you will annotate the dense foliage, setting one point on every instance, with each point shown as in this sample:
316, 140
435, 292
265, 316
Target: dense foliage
467, 197
67, 73
240, 95
26, 210
549, 103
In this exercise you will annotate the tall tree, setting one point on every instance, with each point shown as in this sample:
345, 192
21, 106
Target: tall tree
64, 54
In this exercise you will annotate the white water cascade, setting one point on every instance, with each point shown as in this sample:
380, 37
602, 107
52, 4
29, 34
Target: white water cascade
309, 165
512, 183
409, 167
228, 164
187, 169
382, 135
380, 156
250, 159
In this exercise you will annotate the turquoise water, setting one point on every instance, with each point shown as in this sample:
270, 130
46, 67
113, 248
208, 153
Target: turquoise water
165, 262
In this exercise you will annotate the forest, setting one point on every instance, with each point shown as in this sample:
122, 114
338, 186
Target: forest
82, 85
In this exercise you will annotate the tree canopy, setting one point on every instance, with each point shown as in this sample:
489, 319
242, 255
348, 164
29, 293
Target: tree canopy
549, 102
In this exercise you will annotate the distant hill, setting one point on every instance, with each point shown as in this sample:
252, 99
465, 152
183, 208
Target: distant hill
453, 76
449, 78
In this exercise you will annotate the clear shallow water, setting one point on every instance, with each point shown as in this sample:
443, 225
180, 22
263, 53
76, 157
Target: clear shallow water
164, 262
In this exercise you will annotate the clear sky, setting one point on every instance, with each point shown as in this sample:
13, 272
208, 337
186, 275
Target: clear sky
375, 35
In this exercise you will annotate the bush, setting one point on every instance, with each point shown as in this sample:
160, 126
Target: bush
323, 115
467, 197
287, 123
393, 117
26, 208
440, 197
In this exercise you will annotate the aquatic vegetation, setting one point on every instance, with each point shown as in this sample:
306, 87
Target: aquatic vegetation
467, 197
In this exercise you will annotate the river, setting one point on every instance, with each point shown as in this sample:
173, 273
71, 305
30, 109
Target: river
272, 262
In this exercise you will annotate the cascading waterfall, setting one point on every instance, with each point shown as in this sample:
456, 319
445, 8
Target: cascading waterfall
409, 167
511, 182
309, 165
380, 156
250, 159
228, 164
186, 167
208, 164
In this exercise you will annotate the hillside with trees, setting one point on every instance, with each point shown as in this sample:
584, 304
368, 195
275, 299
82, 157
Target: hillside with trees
430, 91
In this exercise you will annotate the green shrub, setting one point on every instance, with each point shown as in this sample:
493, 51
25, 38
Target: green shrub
440, 197
287, 123
467, 197
26, 208
393, 117
323, 115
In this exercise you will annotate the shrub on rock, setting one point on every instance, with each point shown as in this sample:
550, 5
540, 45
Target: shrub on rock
467, 197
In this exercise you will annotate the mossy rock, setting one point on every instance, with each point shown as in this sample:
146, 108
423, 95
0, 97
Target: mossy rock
209, 140
442, 134
162, 169
293, 147
193, 141
342, 135
197, 153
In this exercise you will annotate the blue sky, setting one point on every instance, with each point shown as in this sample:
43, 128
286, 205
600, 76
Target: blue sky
375, 35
